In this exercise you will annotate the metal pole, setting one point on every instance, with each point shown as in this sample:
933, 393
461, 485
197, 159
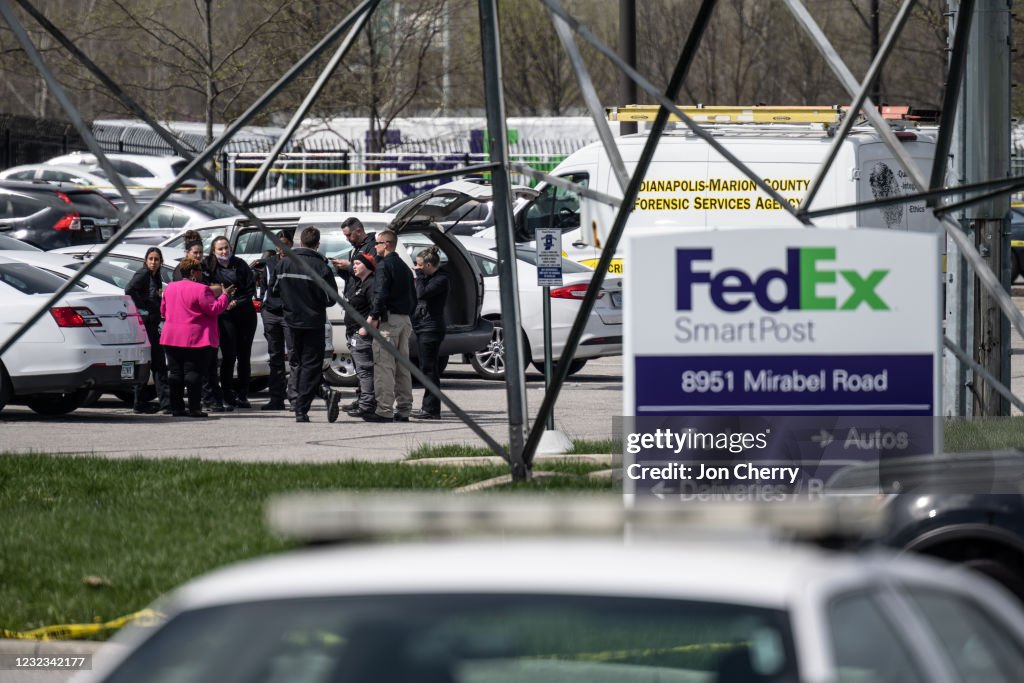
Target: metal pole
548, 364
627, 50
314, 92
876, 81
58, 92
689, 50
987, 156
515, 378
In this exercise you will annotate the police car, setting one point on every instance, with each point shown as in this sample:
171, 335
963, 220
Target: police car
716, 608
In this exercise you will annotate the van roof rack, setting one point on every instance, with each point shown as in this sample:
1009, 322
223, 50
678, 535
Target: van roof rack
825, 114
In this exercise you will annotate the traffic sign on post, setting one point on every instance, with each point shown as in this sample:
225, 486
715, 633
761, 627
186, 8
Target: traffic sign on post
549, 257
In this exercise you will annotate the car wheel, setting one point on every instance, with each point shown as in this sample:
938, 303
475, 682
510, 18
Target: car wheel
574, 367
489, 362
999, 572
1014, 268
56, 404
6, 391
342, 372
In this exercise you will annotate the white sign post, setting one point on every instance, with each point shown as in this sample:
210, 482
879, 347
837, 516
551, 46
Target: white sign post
778, 322
549, 274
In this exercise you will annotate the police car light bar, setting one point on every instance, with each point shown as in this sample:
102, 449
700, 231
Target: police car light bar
337, 517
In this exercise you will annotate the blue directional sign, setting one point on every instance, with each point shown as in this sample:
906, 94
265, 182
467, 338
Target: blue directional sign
549, 257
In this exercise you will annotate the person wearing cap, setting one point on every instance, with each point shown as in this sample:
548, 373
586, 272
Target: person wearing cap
360, 344
305, 312
362, 243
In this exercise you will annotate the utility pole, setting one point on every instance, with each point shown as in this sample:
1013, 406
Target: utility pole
627, 50
986, 130
876, 87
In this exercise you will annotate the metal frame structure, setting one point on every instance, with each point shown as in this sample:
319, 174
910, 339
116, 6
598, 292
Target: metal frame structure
524, 439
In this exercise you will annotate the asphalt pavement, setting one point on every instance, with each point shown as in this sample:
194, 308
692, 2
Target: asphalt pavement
585, 409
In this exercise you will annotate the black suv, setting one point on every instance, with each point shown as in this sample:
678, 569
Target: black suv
966, 508
51, 216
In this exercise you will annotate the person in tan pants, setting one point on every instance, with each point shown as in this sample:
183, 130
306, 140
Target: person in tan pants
393, 304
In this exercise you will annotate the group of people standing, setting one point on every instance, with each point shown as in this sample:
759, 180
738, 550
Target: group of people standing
395, 301
209, 306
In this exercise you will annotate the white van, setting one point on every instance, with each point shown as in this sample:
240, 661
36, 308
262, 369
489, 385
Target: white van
689, 184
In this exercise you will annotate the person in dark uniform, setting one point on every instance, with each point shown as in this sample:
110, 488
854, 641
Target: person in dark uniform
390, 313
432, 287
146, 289
277, 333
362, 243
305, 312
360, 345
238, 325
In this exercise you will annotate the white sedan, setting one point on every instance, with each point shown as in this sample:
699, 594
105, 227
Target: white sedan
657, 610
602, 335
94, 179
87, 342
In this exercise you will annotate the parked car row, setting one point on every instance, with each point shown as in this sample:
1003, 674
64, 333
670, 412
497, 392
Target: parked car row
436, 217
90, 341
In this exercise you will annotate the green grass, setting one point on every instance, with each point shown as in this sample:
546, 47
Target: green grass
146, 526
455, 450
988, 434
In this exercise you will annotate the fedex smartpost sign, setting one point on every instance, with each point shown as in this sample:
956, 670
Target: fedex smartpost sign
782, 322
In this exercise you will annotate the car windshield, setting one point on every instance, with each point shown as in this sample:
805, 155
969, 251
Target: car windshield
467, 639
214, 209
11, 244
29, 279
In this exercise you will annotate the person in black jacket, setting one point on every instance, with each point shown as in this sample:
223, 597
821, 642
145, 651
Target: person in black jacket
432, 286
145, 288
390, 313
278, 335
360, 345
238, 325
305, 312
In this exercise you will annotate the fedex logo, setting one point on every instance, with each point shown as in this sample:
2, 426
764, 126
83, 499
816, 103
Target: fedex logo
807, 283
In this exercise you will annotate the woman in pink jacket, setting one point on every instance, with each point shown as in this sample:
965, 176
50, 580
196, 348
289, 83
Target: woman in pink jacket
190, 335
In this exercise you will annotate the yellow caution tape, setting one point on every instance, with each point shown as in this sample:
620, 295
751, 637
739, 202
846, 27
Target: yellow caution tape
146, 617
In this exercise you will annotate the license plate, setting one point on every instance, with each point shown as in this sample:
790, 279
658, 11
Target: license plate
617, 299
128, 369
105, 233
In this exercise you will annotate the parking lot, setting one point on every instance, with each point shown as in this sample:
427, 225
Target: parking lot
585, 409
